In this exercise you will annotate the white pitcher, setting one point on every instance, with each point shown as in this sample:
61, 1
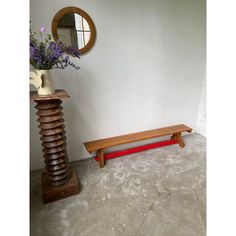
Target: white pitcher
42, 80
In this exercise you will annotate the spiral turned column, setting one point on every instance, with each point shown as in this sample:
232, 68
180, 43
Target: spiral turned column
53, 141
59, 175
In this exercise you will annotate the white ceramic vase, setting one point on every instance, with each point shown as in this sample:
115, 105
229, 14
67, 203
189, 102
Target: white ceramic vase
42, 80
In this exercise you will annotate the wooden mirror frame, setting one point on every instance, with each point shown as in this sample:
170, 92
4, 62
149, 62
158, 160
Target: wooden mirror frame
79, 11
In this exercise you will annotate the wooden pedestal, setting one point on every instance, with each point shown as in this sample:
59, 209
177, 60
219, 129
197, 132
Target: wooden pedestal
59, 179
54, 193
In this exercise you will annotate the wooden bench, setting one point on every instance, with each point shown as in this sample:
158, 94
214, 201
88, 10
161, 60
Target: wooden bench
100, 145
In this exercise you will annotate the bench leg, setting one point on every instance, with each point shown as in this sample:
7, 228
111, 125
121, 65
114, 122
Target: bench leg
179, 139
100, 155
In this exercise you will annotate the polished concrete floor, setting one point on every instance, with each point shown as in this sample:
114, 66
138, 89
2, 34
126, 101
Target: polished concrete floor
160, 192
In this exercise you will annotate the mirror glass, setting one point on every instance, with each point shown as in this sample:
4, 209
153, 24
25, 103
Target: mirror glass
74, 30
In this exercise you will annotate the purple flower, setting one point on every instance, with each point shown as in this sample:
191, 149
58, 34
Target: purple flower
72, 51
42, 29
46, 54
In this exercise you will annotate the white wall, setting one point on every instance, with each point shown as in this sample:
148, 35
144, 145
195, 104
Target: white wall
145, 70
201, 121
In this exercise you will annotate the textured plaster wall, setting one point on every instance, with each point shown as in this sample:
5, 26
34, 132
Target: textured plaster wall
201, 122
145, 71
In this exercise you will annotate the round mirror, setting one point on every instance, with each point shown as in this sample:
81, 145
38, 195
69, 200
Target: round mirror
74, 28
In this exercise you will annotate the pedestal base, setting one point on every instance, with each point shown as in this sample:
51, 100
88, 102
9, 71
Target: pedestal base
54, 193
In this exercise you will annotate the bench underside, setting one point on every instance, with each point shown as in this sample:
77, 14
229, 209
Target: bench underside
142, 148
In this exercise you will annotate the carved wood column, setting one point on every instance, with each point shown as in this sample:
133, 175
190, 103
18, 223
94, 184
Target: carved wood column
59, 179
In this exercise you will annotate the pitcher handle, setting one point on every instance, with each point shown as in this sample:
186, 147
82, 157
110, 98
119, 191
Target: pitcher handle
36, 79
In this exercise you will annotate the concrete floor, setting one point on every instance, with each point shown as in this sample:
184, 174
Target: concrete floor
160, 192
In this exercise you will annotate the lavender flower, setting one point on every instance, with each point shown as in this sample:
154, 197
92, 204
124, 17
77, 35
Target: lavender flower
42, 29
46, 54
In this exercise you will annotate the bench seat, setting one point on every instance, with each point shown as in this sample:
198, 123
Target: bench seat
101, 144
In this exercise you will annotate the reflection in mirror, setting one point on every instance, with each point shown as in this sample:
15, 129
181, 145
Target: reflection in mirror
73, 30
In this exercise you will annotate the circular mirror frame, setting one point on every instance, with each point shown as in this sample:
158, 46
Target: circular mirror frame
79, 11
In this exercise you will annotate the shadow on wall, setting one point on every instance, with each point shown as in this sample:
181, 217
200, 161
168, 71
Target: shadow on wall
79, 112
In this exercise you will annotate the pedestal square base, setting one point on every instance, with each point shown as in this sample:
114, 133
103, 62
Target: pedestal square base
54, 193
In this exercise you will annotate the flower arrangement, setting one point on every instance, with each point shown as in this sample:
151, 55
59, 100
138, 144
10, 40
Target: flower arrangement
46, 54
